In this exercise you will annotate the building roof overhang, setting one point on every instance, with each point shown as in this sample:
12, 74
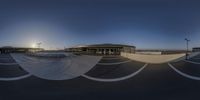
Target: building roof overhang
103, 45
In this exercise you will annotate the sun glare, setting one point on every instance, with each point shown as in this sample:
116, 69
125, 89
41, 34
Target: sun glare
33, 45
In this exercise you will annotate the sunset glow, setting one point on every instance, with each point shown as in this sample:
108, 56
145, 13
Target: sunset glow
33, 45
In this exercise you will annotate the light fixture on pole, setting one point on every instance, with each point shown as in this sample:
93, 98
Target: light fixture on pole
38, 44
187, 46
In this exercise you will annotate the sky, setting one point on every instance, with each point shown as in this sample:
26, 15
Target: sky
57, 24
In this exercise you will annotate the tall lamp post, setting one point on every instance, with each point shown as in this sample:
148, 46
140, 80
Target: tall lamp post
38, 44
187, 45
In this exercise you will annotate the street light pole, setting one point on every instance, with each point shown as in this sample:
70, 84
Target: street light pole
38, 44
187, 44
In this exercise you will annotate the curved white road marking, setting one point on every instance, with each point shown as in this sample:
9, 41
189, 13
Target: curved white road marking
115, 79
61, 69
192, 62
114, 63
15, 78
184, 74
8, 63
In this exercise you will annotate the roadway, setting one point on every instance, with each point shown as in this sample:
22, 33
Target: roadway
108, 80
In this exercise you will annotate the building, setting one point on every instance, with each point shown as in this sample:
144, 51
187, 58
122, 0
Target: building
196, 49
102, 49
9, 49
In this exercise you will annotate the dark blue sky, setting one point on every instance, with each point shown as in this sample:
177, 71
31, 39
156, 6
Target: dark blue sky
152, 24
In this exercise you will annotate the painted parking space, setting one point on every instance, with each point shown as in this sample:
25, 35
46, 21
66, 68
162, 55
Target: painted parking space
187, 67
158, 77
113, 59
6, 58
10, 70
110, 70
195, 59
113, 71
56, 68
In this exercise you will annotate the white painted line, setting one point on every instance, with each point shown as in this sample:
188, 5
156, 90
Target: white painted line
115, 79
15, 78
8, 63
60, 69
117, 63
184, 74
192, 62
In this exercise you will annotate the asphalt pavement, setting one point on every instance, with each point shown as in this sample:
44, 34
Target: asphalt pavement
169, 81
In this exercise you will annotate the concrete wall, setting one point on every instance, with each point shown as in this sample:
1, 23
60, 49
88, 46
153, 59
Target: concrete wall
150, 53
154, 59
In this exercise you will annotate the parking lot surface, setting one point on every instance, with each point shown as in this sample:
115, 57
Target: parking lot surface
168, 81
